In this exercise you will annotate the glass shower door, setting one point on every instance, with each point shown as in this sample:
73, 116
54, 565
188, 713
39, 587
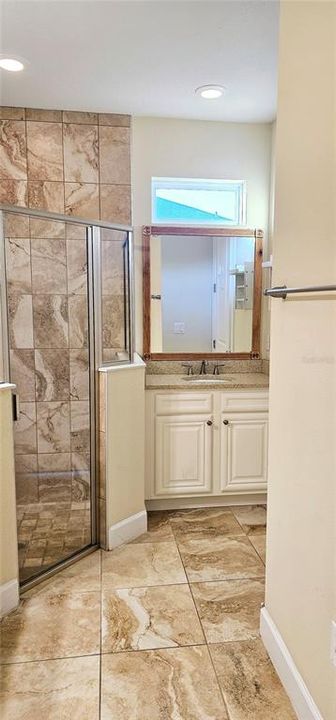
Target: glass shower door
51, 363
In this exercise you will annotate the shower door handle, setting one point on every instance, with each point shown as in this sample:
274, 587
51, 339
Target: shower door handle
15, 406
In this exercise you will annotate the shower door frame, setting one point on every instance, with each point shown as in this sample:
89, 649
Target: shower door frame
93, 245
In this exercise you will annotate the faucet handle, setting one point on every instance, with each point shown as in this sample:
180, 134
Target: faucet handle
189, 368
216, 368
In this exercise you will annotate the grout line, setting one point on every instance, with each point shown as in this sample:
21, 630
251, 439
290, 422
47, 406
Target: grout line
59, 657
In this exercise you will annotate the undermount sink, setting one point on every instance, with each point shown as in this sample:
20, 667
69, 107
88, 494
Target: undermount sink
208, 380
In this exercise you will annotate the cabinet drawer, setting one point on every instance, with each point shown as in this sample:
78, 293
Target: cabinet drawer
184, 403
246, 401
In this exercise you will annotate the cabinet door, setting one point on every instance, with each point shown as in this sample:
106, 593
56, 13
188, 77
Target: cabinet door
183, 454
244, 451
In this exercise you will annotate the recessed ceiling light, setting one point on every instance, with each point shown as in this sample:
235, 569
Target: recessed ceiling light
210, 92
11, 64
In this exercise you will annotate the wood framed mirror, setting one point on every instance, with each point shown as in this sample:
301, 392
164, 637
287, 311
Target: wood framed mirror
202, 291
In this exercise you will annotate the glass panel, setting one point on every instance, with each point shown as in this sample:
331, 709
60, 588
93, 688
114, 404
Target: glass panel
208, 202
47, 295
115, 296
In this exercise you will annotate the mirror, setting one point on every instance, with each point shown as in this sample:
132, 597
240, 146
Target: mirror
202, 292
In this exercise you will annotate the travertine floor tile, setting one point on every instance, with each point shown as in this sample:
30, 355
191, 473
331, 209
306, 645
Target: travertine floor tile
259, 543
51, 626
220, 558
82, 576
149, 618
230, 609
158, 529
250, 685
142, 565
205, 523
175, 684
251, 517
52, 690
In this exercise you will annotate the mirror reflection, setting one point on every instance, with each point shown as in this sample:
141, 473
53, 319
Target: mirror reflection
201, 293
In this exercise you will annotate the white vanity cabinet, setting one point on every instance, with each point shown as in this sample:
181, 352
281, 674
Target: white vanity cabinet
205, 443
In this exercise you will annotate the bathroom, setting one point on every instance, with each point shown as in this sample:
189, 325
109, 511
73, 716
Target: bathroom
166, 407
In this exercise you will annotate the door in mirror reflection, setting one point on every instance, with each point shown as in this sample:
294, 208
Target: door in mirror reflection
201, 293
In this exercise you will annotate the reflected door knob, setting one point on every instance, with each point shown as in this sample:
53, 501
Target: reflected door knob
225, 422
209, 422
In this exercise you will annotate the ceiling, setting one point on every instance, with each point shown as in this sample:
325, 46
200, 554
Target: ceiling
143, 57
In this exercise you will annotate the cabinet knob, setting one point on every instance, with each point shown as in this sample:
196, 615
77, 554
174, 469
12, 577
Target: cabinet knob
209, 422
225, 422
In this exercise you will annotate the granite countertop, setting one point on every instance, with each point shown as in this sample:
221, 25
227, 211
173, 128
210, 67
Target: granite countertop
237, 381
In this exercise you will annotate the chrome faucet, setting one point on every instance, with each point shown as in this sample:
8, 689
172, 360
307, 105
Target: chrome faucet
216, 368
203, 368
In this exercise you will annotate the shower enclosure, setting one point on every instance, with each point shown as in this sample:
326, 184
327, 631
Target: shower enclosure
66, 310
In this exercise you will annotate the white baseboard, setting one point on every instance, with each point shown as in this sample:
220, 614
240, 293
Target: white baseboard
183, 503
9, 597
289, 675
126, 530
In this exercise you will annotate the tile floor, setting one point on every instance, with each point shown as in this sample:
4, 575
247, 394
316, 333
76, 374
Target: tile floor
164, 628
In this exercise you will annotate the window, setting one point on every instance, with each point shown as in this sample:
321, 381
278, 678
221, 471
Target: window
200, 202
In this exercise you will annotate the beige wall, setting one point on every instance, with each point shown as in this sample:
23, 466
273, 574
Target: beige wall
301, 553
190, 148
8, 539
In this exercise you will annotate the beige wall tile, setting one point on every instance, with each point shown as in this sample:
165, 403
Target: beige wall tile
18, 264
16, 226
12, 113
78, 322
49, 275
114, 155
52, 374
82, 200
20, 316
53, 427
82, 118
80, 426
81, 153
23, 373
46, 195
13, 192
44, 146
43, 115
77, 266
115, 203
114, 120
50, 321
13, 162
25, 429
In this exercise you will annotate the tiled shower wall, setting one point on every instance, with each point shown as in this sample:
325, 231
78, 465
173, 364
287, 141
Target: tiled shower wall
72, 163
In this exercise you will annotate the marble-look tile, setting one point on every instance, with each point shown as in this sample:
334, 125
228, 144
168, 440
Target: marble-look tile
23, 373
80, 153
78, 322
252, 518
220, 558
57, 462
115, 203
13, 192
16, 226
54, 487
20, 320
67, 689
46, 228
158, 528
26, 463
204, 523
82, 200
259, 543
114, 155
112, 261
77, 267
44, 147
81, 118
79, 375
80, 426
18, 264
113, 321
11, 113
149, 618
249, 683
51, 625
39, 115
80, 577
143, 565
81, 476
74, 231
182, 685
13, 163
114, 120
50, 321
53, 427
48, 258
46, 195
26, 480
25, 430
52, 374
230, 609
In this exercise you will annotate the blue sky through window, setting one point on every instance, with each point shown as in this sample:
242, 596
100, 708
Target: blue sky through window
197, 201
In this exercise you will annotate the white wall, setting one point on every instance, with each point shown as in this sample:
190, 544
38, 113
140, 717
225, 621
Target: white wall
189, 148
301, 549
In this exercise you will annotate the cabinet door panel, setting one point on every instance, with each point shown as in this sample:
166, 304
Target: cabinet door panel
183, 455
244, 451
